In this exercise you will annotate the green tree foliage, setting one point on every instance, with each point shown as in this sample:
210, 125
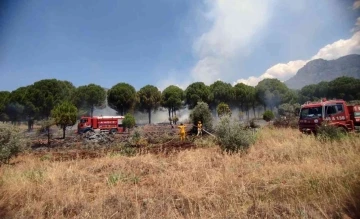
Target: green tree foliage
245, 98
14, 111
197, 92
122, 98
307, 93
272, 92
172, 98
322, 89
346, 88
268, 115
201, 112
11, 143
4, 100
128, 121
149, 99
19, 106
232, 136
241, 95
64, 115
90, 96
221, 92
44, 95
292, 97
223, 109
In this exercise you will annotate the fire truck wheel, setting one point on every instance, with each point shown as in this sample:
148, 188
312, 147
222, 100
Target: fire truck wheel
113, 131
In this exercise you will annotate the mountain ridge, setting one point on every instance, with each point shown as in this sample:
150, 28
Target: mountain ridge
319, 70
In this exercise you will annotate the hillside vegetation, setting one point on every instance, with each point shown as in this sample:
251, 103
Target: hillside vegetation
284, 174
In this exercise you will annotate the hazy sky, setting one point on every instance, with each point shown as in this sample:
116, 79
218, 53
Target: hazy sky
163, 42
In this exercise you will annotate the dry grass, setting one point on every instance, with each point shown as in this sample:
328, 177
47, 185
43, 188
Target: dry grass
284, 175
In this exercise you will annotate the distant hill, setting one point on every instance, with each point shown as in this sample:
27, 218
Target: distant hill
319, 70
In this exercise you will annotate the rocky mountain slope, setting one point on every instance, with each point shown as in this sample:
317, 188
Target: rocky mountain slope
319, 70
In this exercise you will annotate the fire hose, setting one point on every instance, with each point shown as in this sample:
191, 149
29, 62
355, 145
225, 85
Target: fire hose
206, 132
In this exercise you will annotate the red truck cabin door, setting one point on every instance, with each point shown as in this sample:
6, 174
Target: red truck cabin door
335, 112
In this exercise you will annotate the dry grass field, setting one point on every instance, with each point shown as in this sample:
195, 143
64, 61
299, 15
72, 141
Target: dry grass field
284, 175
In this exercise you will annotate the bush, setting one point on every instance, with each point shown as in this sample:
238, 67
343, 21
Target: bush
268, 115
288, 122
201, 112
327, 132
129, 121
11, 143
232, 136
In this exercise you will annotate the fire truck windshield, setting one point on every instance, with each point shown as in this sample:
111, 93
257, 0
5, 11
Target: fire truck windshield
83, 120
312, 112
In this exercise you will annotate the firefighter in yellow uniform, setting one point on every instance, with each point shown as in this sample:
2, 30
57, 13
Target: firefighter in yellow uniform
199, 128
182, 132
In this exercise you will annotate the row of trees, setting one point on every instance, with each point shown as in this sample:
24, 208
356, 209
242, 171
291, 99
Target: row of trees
346, 88
36, 101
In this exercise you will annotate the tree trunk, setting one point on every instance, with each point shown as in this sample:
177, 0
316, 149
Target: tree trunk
169, 109
91, 111
149, 112
254, 111
29, 125
48, 134
64, 129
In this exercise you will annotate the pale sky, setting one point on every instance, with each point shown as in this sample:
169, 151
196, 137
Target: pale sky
164, 42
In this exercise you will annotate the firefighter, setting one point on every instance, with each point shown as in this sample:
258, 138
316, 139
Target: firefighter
199, 128
182, 132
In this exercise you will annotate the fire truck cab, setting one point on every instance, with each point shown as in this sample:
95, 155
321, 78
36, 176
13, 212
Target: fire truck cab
335, 112
111, 124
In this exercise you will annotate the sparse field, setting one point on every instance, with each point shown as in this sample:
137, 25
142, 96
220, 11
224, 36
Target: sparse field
284, 175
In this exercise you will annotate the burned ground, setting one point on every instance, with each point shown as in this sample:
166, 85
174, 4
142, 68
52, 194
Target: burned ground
155, 139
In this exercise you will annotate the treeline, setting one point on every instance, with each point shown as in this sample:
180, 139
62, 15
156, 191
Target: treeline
36, 101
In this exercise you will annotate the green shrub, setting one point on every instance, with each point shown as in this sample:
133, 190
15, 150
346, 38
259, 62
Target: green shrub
327, 132
129, 121
201, 112
232, 136
268, 115
11, 143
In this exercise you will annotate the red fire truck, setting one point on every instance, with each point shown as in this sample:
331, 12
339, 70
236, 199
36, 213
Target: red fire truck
111, 124
335, 112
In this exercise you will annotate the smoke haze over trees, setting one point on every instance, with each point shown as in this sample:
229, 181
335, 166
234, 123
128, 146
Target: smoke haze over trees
36, 101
